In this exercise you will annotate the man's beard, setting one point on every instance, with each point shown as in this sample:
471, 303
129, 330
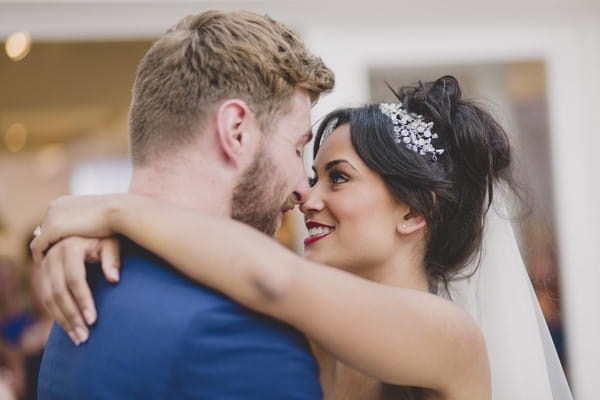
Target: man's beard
257, 198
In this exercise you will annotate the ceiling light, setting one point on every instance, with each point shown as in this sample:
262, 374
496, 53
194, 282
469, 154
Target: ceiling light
18, 45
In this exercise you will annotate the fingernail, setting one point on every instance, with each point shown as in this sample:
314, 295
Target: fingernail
114, 275
74, 338
81, 334
90, 316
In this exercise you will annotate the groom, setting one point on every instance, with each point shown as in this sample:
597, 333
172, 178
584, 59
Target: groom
219, 117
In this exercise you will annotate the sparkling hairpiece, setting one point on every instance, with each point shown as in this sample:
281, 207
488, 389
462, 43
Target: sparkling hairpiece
331, 125
411, 130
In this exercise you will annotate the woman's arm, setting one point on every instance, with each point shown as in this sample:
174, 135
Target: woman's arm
399, 336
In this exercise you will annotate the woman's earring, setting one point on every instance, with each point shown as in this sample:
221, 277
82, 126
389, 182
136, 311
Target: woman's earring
404, 226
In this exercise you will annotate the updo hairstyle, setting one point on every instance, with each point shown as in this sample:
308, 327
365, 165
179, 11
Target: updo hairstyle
452, 191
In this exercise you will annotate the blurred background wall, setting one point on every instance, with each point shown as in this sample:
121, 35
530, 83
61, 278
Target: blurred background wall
64, 102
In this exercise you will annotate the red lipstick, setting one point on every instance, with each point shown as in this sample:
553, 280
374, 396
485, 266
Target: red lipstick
312, 239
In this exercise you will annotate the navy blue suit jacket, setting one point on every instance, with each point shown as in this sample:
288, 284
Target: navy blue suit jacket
161, 336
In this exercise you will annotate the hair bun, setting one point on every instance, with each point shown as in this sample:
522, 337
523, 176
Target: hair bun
477, 155
476, 143
436, 100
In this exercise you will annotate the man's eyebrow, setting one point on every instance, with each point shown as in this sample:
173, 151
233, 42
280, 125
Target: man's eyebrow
308, 136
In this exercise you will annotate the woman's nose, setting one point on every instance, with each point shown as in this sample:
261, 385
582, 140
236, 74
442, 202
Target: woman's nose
313, 201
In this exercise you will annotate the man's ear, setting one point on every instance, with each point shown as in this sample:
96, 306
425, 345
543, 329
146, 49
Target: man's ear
411, 222
235, 122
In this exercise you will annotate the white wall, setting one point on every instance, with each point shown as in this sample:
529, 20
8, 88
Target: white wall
351, 38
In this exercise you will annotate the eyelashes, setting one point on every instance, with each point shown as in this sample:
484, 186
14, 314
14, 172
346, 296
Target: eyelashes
335, 178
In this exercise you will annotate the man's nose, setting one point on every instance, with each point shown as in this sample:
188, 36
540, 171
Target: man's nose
302, 191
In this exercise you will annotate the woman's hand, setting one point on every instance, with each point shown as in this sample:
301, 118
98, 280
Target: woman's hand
75, 230
65, 291
87, 216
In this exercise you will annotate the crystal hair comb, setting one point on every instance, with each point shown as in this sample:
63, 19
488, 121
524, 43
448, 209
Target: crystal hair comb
411, 130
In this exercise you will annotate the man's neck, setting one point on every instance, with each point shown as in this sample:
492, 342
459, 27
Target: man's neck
202, 192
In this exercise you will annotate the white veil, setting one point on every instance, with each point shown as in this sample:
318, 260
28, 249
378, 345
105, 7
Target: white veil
499, 295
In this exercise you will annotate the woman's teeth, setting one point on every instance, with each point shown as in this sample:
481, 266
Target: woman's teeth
319, 230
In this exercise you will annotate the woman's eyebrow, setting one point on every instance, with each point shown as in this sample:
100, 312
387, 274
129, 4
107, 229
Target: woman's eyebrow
333, 163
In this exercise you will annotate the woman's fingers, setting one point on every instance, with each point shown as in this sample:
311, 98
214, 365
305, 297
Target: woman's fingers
57, 297
67, 294
74, 216
110, 258
39, 245
47, 299
76, 252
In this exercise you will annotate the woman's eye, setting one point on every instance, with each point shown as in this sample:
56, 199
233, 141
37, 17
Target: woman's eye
337, 178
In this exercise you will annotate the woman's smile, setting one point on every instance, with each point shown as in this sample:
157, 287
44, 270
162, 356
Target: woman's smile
317, 231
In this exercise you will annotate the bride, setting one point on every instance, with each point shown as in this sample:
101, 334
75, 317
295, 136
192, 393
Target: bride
427, 298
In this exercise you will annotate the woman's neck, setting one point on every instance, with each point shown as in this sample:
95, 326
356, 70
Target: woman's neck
403, 270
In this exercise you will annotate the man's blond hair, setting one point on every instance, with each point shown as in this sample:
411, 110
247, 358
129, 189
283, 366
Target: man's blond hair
208, 58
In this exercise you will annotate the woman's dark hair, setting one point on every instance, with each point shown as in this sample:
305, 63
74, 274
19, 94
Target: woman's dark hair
454, 191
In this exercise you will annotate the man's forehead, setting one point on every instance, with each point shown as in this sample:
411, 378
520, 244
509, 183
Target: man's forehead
292, 136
